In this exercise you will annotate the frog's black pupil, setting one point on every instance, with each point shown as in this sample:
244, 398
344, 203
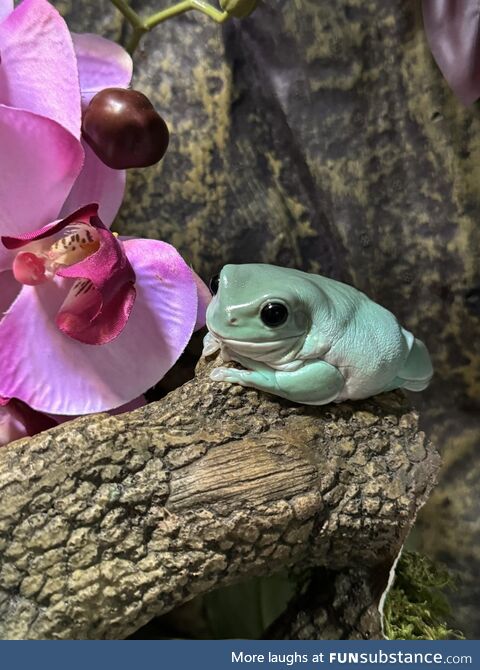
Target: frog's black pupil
214, 283
274, 314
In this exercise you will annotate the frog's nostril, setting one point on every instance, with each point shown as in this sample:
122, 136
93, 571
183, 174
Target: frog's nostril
233, 320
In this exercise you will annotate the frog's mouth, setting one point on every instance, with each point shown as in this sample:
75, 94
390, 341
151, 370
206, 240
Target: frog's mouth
231, 342
268, 351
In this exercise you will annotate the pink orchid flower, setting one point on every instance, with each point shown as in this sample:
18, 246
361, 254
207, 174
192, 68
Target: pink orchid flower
88, 322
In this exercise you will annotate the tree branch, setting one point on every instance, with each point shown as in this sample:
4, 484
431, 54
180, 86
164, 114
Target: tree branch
106, 522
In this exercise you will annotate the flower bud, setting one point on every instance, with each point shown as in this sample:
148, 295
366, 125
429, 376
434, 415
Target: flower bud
238, 8
124, 130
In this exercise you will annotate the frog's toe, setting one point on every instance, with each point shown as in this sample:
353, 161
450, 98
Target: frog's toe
230, 375
218, 374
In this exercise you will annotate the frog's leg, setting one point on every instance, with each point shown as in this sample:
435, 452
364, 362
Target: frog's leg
416, 372
316, 383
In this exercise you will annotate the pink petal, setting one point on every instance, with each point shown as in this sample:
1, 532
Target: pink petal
204, 298
6, 6
97, 183
39, 69
134, 404
101, 64
12, 426
9, 289
59, 375
43, 161
18, 420
141, 401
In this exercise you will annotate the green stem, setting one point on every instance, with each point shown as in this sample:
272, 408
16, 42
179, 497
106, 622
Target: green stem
140, 26
186, 6
134, 40
129, 13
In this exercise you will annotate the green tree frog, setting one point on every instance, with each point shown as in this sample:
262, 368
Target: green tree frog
307, 338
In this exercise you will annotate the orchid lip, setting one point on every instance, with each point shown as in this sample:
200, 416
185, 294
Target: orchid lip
41, 259
79, 247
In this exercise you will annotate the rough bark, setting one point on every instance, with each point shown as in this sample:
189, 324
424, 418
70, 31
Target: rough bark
109, 521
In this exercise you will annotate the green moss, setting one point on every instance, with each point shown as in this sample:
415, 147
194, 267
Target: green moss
417, 607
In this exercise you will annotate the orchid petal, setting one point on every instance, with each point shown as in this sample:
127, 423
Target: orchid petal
204, 298
43, 161
56, 374
6, 7
18, 420
39, 69
452, 28
97, 183
9, 289
101, 64
12, 426
134, 404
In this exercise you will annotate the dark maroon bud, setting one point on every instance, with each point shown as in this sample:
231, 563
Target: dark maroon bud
124, 130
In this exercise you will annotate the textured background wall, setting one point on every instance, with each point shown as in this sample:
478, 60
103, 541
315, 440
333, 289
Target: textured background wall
322, 136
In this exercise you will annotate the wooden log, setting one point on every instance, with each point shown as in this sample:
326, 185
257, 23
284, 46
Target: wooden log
106, 522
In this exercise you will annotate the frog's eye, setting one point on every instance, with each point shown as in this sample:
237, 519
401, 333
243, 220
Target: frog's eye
274, 314
213, 284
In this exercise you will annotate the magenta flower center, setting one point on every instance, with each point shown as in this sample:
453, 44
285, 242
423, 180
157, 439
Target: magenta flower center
40, 260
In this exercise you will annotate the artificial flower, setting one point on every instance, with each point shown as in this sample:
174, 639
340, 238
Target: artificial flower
135, 301
89, 321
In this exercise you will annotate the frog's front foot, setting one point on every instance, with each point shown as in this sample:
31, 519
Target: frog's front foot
315, 383
242, 377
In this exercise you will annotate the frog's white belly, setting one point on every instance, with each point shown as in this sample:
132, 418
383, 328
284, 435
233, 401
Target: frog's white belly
369, 365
